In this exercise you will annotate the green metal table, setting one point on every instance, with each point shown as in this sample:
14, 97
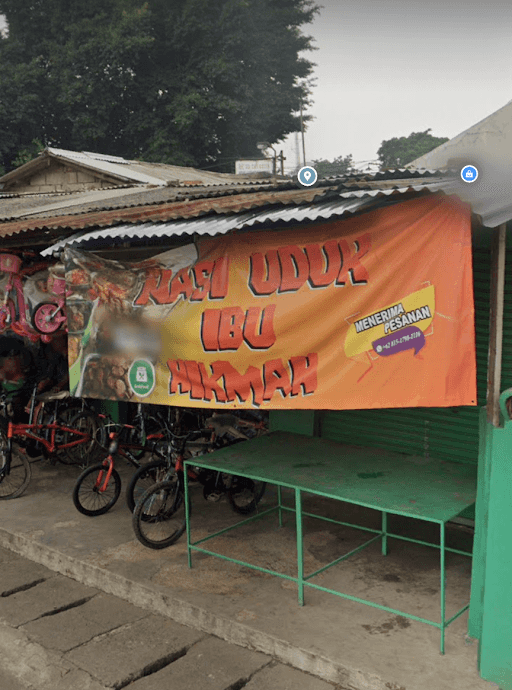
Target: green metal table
392, 483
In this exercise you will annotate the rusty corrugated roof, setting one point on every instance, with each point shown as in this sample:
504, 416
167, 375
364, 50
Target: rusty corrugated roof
164, 212
124, 171
142, 205
328, 206
217, 225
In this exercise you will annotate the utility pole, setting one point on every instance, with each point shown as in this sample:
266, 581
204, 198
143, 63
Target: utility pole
297, 154
302, 131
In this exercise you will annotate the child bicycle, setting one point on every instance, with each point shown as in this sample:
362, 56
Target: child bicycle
99, 486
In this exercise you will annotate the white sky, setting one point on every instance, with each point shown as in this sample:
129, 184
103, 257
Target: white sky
386, 68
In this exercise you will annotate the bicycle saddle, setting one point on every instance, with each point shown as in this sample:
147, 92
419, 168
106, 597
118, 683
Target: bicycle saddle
51, 395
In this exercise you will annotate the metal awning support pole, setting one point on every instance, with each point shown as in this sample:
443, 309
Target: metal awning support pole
496, 324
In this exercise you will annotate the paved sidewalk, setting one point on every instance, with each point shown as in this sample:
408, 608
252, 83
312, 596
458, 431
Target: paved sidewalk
57, 634
333, 639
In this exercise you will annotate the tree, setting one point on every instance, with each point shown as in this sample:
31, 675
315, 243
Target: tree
190, 82
339, 166
399, 151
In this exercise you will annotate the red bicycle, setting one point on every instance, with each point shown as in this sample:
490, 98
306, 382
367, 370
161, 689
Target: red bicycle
75, 440
98, 487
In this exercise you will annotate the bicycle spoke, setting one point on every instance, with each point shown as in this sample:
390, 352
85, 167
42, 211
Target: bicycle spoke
88, 495
159, 517
16, 481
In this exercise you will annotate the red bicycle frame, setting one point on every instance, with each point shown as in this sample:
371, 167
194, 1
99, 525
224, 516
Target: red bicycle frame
24, 430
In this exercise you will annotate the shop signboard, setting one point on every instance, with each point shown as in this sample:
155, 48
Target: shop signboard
375, 311
254, 165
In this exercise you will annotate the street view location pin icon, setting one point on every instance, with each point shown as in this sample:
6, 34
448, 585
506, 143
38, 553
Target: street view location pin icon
307, 176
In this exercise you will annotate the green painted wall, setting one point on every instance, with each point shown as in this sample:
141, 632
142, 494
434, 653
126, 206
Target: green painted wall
493, 561
481, 528
294, 421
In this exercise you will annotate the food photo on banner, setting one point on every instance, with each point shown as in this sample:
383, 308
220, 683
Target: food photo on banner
371, 312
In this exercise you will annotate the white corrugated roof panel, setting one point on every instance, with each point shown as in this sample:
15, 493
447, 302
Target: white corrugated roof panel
215, 225
346, 203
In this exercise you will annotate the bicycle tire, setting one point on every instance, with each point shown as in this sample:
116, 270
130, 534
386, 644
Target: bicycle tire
136, 438
143, 479
162, 505
81, 489
15, 483
83, 453
244, 494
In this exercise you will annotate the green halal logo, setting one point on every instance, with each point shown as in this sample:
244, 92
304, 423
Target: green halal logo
142, 377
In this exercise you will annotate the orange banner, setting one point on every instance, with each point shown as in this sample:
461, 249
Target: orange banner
371, 312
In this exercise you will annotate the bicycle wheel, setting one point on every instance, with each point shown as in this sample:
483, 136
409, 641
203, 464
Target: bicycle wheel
13, 484
244, 494
135, 437
48, 317
143, 479
89, 448
159, 517
87, 497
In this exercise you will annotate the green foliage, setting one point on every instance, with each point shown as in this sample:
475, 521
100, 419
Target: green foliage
28, 153
399, 151
341, 165
189, 82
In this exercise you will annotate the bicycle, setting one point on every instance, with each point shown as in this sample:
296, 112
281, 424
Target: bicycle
224, 427
94, 493
66, 409
15, 469
159, 516
46, 318
54, 435
76, 437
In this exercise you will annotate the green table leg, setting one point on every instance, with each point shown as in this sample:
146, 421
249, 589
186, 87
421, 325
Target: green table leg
300, 556
443, 587
384, 533
279, 501
187, 516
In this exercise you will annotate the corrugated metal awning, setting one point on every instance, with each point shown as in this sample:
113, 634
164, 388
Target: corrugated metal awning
215, 225
346, 203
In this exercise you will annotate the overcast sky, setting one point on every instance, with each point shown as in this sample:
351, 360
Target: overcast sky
387, 68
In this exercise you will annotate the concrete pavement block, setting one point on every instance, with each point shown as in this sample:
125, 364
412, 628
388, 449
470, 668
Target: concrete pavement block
126, 653
210, 665
36, 667
10, 682
74, 680
78, 625
16, 572
282, 677
47, 597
